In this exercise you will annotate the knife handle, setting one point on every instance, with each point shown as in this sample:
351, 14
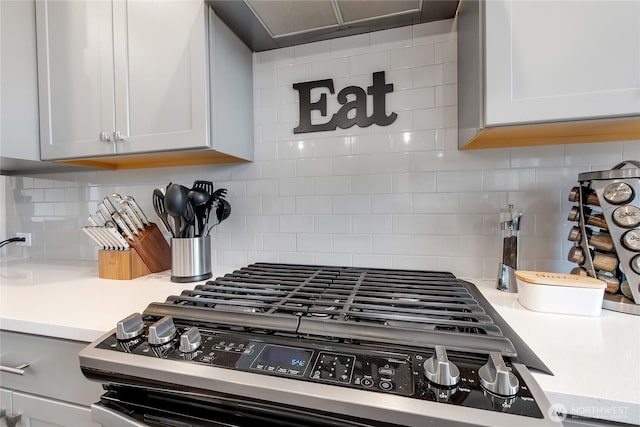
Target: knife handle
120, 222
136, 208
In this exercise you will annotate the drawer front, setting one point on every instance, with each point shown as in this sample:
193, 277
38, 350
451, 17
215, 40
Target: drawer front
53, 371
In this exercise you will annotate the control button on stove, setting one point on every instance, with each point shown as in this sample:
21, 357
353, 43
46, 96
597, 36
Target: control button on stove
440, 370
386, 370
366, 382
130, 327
162, 331
190, 340
497, 378
386, 385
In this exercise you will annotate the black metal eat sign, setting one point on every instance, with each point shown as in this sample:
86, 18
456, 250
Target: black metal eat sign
377, 90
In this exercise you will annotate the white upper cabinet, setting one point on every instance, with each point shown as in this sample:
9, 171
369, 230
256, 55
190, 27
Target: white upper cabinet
561, 60
76, 78
127, 77
18, 81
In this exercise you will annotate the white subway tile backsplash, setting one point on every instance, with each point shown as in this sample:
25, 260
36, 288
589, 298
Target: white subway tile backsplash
349, 46
295, 186
395, 38
371, 184
333, 224
332, 185
312, 52
396, 196
296, 223
278, 205
392, 244
279, 241
351, 204
352, 244
352, 165
372, 224
314, 243
316, 205
419, 182
600, 155
392, 204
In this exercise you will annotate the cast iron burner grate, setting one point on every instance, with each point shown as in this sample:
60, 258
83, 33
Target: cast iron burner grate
381, 306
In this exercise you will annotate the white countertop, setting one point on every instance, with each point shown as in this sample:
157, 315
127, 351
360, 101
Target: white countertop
596, 360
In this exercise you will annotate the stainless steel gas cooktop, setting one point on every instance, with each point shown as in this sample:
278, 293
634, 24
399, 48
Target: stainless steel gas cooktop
374, 346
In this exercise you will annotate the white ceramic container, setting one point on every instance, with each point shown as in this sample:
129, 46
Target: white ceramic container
560, 293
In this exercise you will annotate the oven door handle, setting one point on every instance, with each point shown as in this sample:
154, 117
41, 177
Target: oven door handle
110, 418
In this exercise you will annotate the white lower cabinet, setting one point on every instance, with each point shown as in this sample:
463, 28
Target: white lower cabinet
33, 411
42, 384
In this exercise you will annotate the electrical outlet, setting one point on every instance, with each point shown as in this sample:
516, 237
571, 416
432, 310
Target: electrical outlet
27, 239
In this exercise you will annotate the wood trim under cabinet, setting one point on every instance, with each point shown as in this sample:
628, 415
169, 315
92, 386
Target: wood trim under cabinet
156, 160
622, 129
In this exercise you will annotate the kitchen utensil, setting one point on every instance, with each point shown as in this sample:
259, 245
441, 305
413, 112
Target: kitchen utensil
510, 226
175, 202
106, 215
122, 225
187, 221
129, 222
190, 259
109, 204
121, 242
137, 209
95, 237
206, 186
199, 198
137, 222
158, 206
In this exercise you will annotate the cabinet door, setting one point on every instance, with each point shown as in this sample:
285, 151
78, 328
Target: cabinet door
75, 75
161, 75
40, 412
561, 60
5, 401
18, 81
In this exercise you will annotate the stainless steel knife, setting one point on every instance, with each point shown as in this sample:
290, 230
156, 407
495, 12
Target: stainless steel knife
121, 242
97, 239
136, 208
109, 205
122, 225
126, 208
106, 235
127, 220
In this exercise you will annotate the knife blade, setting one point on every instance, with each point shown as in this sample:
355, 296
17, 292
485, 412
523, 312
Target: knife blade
122, 225
137, 209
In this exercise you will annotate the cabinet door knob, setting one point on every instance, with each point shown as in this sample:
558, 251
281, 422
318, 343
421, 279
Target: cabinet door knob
18, 370
117, 136
105, 136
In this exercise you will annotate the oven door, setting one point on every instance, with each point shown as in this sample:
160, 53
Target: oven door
124, 406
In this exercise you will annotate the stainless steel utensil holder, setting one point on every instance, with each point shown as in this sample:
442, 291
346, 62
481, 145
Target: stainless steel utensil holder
191, 259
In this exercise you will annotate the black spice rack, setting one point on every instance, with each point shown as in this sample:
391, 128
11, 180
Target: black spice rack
607, 237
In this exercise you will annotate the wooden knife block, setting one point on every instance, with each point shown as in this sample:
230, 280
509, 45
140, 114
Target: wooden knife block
149, 253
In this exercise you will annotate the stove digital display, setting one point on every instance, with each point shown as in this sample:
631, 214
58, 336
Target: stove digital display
282, 360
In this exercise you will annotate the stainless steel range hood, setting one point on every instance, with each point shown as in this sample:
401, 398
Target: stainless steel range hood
272, 24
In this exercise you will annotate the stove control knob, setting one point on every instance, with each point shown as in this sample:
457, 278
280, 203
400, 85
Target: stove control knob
190, 340
497, 378
162, 331
130, 327
439, 370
